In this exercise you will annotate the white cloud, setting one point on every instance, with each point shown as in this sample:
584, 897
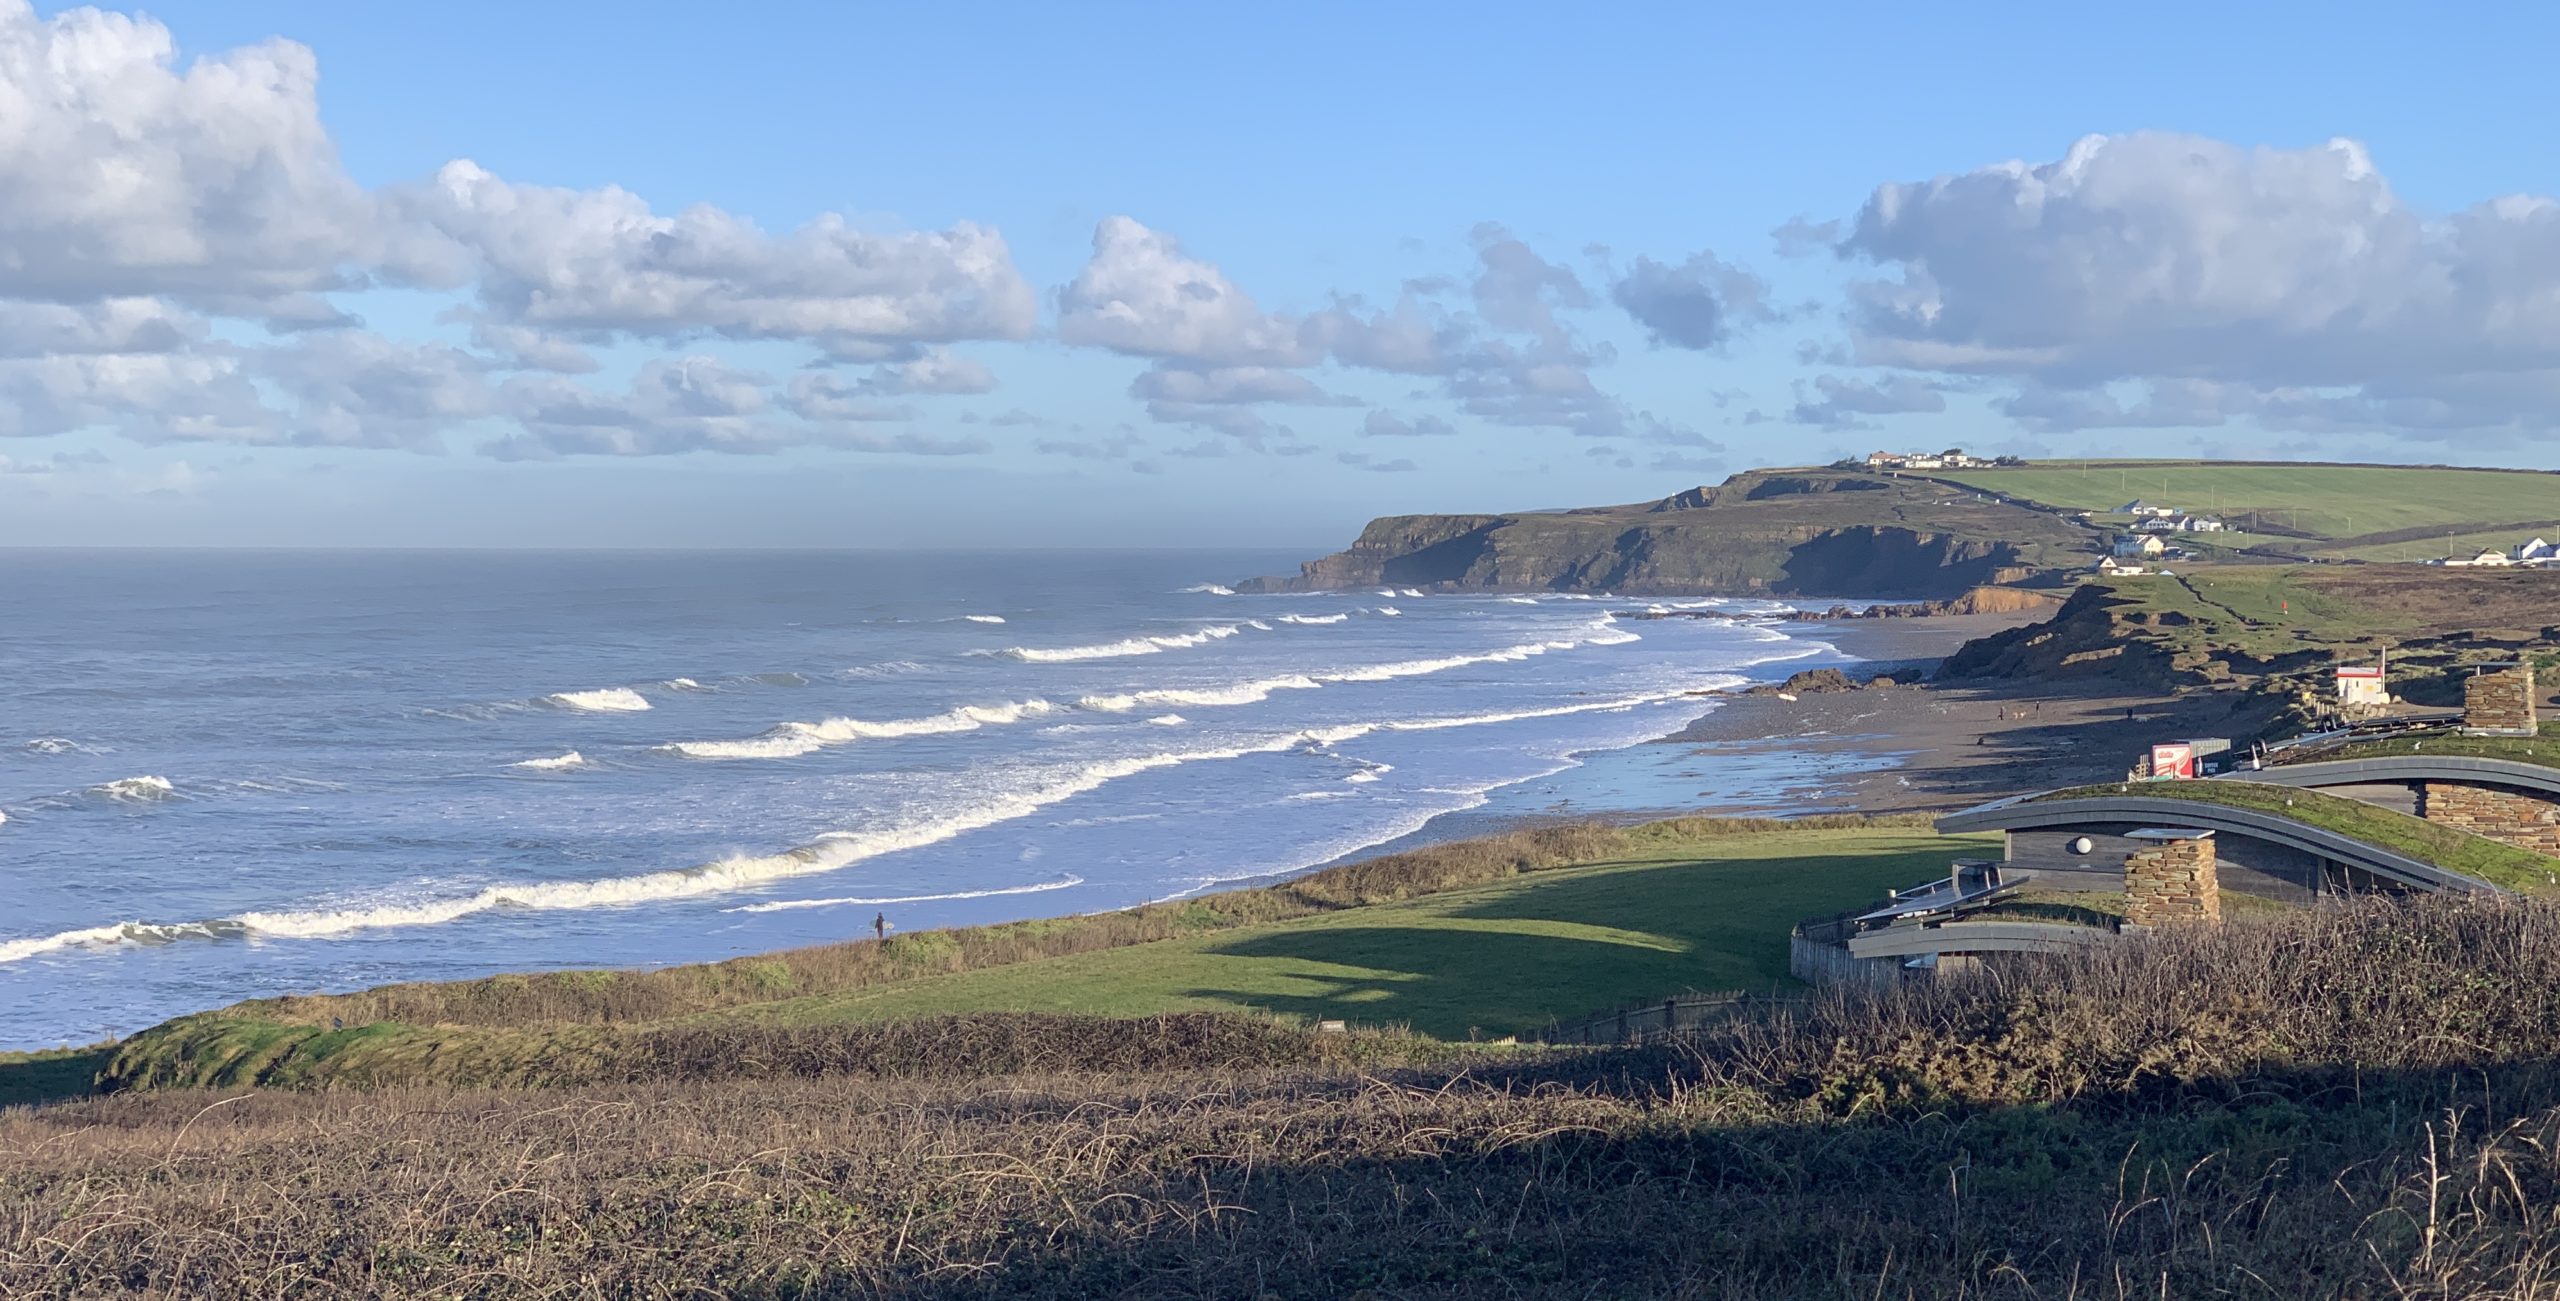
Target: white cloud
935, 370
1141, 294
602, 262
2292, 285
1225, 385
1387, 424
355, 389
123, 174
1699, 304
673, 406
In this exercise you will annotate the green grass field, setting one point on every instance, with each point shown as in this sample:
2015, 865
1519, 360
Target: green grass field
2330, 501
1665, 909
1490, 961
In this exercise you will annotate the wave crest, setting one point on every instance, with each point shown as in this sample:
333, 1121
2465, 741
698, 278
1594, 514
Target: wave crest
791, 740
573, 759
1120, 649
606, 700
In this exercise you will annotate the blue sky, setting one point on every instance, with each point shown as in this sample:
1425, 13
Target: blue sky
268, 311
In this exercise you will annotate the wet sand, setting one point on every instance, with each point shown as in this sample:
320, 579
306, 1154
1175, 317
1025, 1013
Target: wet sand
1890, 749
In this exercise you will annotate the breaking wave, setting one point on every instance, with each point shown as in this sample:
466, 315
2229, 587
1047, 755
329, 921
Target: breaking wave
1118, 649
1168, 720
791, 740
55, 745
136, 790
609, 700
683, 684
829, 853
1209, 589
573, 759
1242, 693
1387, 610
1313, 618
1066, 882
983, 618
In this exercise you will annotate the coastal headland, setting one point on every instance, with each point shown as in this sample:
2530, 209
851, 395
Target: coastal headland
1231, 1091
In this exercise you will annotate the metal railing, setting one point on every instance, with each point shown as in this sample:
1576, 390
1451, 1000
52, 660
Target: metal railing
1638, 1022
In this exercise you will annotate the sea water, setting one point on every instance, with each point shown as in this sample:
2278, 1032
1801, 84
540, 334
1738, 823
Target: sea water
228, 775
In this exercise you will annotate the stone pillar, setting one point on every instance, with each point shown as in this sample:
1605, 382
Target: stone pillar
2525, 821
2500, 704
2173, 881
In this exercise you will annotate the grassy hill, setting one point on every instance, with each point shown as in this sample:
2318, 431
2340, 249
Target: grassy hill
1477, 940
2350, 511
2252, 1111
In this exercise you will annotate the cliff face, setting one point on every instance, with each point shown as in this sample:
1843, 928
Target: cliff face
1797, 533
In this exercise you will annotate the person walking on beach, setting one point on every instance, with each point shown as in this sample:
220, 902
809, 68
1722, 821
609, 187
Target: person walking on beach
880, 925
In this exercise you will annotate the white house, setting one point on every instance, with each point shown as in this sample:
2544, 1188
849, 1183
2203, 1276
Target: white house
2114, 568
2536, 552
2489, 559
2156, 525
2199, 524
2135, 546
2361, 684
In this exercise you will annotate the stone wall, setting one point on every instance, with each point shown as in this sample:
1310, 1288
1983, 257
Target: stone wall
2172, 881
2528, 821
2500, 703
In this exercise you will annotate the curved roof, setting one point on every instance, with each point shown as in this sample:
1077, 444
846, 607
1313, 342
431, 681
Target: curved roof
2033, 814
2417, 766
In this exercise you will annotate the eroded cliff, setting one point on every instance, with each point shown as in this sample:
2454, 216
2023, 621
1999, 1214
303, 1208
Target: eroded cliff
1798, 532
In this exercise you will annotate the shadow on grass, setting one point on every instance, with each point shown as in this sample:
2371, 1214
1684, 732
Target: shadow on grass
1609, 938
27, 1078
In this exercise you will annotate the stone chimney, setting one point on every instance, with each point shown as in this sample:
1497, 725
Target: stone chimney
2500, 704
2175, 879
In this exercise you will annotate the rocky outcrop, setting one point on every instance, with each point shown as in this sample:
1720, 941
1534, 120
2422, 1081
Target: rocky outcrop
1792, 533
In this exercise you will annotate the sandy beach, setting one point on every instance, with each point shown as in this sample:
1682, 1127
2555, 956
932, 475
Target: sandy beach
1887, 749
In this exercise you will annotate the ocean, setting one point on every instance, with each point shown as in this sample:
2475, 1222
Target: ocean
228, 775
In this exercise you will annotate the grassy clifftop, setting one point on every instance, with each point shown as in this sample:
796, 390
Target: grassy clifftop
1481, 939
2260, 1110
1814, 532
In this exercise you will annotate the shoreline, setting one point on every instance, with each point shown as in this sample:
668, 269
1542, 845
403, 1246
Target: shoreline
1736, 756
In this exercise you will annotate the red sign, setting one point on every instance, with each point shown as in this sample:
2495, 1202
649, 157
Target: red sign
2173, 759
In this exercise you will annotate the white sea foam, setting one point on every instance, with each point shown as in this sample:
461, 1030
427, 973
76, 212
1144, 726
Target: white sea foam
1521, 600
683, 684
573, 759
1242, 693
1387, 610
1364, 775
1067, 882
1257, 625
829, 853
1168, 720
1119, 649
608, 700
1209, 589
54, 745
1410, 591
983, 618
1313, 618
790, 740
137, 790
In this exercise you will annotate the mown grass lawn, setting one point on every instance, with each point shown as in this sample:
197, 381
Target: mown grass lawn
1487, 961
2331, 501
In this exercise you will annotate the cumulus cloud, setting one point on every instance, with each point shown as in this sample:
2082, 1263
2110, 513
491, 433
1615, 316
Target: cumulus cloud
1698, 304
355, 389
602, 262
1225, 385
124, 175
2293, 285
934, 370
1142, 294
686, 404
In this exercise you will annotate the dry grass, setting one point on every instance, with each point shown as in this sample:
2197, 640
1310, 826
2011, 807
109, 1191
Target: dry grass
2353, 1102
